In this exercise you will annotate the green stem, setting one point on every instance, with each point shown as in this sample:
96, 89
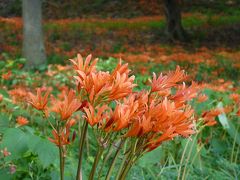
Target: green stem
61, 165
106, 157
182, 159
81, 144
96, 160
129, 162
188, 157
114, 160
122, 165
126, 161
61, 162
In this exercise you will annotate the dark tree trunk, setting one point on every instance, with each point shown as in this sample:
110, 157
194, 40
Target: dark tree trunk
174, 29
33, 45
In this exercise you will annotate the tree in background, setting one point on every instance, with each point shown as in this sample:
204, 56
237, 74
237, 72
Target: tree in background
172, 9
33, 45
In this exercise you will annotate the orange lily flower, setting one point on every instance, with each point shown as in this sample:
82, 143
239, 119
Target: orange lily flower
202, 98
21, 121
209, 117
7, 75
95, 118
235, 97
61, 139
68, 106
238, 112
157, 140
164, 82
38, 101
121, 69
96, 84
1, 97
122, 86
122, 115
5, 152
184, 94
84, 67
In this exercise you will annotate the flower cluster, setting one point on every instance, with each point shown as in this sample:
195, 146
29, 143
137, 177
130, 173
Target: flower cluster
64, 107
157, 115
109, 104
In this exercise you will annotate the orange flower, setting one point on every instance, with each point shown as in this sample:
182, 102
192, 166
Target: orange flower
1, 97
238, 112
121, 69
95, 118
164, 82
66, 107
102, 86
140, 126
184, 94
62, 138
235, 97
38, 101
122, 115
5, 152
96, 85
71, 123
21, 121
122, 86
162, 121
202, 98
19, 94
209, 117
84, 67
7, 76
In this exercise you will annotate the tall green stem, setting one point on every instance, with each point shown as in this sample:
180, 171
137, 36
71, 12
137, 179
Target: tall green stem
114, 160
96, 160
61, 162
60, 148
128, 163
106, 157
81, 144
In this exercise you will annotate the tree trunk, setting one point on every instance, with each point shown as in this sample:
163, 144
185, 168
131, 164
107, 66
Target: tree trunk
33, 45
174, 29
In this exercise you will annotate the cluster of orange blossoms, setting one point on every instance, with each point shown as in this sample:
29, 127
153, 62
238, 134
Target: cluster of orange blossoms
110, 104
236, 99
157, 115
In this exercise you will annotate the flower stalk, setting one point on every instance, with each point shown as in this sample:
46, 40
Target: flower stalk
108, 176
61, 154
81, 145
96, 160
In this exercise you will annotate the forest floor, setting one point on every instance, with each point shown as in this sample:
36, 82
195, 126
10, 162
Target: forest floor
213, 47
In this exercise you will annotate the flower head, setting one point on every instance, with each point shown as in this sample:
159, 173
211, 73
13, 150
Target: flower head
202, 98
39, 101
209, 116
1, 97
84, 66
67, 106
5, 152
95, 115
62, 138
162, 82
21, 121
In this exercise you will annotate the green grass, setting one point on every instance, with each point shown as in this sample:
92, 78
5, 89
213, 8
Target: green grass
188, 22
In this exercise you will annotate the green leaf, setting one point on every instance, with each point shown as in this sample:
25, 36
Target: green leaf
47, 152
151, 158
15, 141
4, 122
5, 174
228, 125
